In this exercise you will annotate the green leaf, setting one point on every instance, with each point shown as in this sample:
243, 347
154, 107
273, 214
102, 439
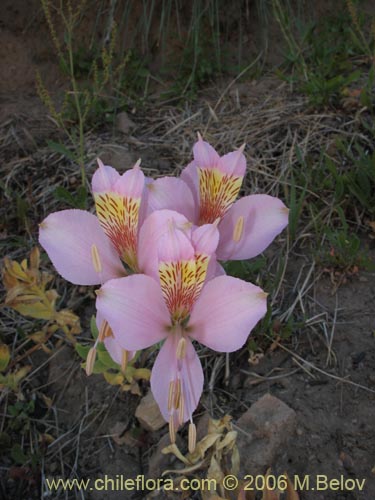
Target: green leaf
105, 358
76, 200
60, 148
18, 455
93, 327
82, 350
62, 194
81, 197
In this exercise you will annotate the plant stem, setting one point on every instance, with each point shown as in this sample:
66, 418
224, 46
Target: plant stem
81, 154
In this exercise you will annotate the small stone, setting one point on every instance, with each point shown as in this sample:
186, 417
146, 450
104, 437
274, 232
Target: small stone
148, 414
346, 461
119, 158
123, 123
268, 426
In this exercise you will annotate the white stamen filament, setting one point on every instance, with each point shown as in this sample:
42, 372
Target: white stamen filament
238, 229
96, 259
124, 360
172, 431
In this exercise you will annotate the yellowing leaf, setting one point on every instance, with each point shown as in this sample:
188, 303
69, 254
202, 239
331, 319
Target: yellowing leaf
142, 374
172, 448
21, 373
27, 294
39, 337
34, 259
113, 378
215, 472
36, 310
235, 461
228, 441
4, 356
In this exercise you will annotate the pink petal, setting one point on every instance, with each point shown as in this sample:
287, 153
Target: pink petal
116, 351
104, 178
167, 368
150, 233
214, 269
113, 347
135, 311
227, 309
190, 176
233, 163
250, 225
172, 194
131, 183
205, 239
205, 155
174, 244
68, 238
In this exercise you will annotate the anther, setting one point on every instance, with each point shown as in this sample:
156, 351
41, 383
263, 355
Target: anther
177, 394
124, 360
170, 395
181, 348
96, 259
104, 331
192, 437
238, 229
90, 361
199, 136
181, 410
172, 430
100, 163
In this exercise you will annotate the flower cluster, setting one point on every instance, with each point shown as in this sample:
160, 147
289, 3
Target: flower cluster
154, 246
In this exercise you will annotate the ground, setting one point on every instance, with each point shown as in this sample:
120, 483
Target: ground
324, 370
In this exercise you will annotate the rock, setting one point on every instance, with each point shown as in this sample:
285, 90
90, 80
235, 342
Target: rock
159, 462
123, 123
148, 414
119, 158
202, 426
269, 425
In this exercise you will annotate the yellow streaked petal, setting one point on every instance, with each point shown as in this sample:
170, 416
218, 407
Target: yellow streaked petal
118, 216
217, 192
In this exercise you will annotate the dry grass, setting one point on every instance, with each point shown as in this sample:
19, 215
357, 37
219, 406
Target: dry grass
272, 122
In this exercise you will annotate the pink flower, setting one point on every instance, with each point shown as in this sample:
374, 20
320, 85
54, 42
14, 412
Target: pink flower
246, 226
90, 250
177, 305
